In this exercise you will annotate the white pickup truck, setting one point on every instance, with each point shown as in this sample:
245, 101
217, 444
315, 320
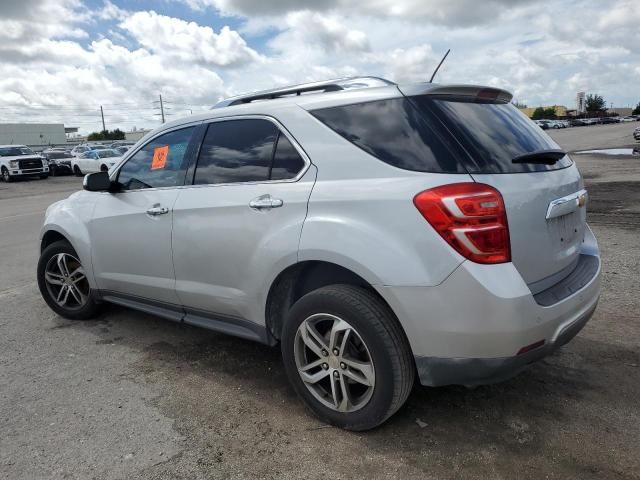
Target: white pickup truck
21, 161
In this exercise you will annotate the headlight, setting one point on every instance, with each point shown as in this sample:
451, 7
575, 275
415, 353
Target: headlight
13, 163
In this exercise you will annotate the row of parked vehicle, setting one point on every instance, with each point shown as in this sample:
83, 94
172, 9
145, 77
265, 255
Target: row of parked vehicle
21, 161
581, 122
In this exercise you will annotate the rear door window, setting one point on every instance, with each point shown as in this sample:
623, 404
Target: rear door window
395, 132
287, 162
236, 151
492, 134
246, 150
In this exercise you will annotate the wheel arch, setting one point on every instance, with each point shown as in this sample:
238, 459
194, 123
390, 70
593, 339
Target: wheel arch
52, 236
303, 277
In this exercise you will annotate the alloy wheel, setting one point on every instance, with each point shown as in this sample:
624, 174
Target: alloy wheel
66, 281
334, 363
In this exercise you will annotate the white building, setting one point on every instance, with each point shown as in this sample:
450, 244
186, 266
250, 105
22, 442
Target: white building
135, 134
33, 134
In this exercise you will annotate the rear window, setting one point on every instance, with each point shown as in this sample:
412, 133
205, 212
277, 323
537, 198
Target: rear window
394, 131
492, 134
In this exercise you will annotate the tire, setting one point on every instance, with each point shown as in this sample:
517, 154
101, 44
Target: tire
375, 334
5, 175
72, 309
104, 168
44, 176
76, 171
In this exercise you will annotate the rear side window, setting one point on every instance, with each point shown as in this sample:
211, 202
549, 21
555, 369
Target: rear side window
394, 131
251, 150
492, 134
160, 163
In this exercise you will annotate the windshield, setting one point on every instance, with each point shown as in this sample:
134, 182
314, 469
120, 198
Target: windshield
15, 151
58, 155
107, 153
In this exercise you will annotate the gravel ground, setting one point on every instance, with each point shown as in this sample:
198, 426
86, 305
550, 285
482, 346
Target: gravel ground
132, 396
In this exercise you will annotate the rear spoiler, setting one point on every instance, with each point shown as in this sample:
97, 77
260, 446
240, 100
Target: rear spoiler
479, 92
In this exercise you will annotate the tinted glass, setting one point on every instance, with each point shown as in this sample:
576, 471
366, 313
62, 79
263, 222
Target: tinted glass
287, 162
236, 151
107, 153
15, 151
493, 134
395, 132
160, 163
55, 155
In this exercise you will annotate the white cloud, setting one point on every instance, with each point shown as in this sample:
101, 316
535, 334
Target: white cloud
188, 41
60, 61
447, 12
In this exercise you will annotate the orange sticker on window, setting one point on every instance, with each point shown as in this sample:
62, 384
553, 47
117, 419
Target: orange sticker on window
160, 155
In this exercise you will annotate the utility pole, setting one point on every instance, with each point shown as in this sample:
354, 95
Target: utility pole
104, 129
160, 104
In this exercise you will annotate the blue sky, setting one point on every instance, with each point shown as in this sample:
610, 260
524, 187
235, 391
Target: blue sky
61, 59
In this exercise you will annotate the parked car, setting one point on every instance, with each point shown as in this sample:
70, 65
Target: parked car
99, 160
122, 149
122, 143
636, 133
543, 124
628, 119
20, 161
577, 122
375, 233
59, 161
606, 120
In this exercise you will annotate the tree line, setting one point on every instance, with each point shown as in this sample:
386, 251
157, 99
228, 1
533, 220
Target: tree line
116, 134
594, 103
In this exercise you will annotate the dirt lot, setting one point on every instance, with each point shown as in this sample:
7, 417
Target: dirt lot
132, 396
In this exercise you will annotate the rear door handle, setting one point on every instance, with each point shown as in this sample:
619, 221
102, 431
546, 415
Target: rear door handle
157, 210
265, 202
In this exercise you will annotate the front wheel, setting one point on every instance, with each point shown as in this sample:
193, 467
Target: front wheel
6, 176
77, 171
347, 357
63, 282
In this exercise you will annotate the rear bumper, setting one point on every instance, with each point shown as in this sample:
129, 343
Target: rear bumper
434, 371
469, 329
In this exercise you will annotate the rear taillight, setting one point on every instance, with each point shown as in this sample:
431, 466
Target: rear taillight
471, 217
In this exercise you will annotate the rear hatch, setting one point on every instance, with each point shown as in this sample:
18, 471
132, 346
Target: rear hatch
542, 188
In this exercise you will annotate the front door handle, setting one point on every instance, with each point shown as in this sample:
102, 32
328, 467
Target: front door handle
265, 202
157, 210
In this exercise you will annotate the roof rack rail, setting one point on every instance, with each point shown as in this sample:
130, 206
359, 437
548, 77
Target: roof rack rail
321, 87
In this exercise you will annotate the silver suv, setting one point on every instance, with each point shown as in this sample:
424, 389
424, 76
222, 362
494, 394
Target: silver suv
377, 232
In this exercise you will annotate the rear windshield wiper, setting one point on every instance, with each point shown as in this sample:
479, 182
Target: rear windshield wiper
544, 157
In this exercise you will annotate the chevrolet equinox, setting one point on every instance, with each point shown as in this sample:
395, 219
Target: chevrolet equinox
377, 232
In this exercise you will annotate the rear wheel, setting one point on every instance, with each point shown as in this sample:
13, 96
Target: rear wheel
77, 171
63, 282
347, 357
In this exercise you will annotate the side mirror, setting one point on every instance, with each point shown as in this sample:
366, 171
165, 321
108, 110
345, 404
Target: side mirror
97, 182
